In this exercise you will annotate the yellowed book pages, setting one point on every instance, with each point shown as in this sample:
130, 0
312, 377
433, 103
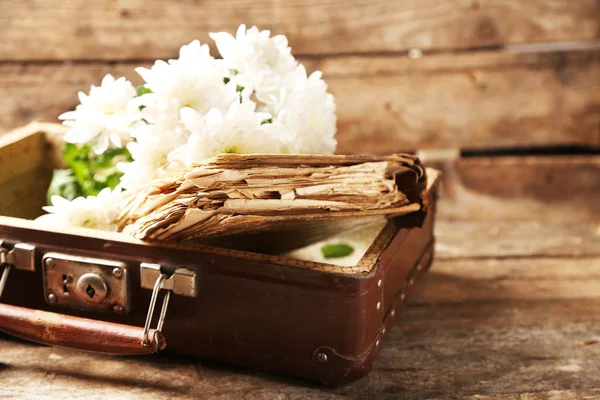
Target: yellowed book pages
300, 195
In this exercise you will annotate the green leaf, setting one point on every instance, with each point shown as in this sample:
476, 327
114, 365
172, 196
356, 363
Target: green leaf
78, 160
94, 172
267, 121
140, 90
111, 157
107, 178
232, 72
64, 184
336, 250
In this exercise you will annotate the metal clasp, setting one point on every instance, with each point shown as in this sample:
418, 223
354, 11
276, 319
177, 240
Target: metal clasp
21, 256
182, 281
5, 270
163, 311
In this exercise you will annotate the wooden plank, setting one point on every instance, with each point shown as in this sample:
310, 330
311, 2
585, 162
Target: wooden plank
510, 239
393, 103
134, 29
521, 314
531, 279
22, 86
509, 351
589, 394
562, 395
479, 100
555, 189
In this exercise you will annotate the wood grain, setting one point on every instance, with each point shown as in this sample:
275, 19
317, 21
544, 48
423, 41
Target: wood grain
531, 350
510, 239
132, 29
554, 189
530, 279
392, 103
473, 101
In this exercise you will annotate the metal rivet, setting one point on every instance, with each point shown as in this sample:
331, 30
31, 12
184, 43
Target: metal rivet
383, 331
393, 312
118, 309
411, 282
379, 305
402, 296
50, 262
52, 298
377, 343
379, 283
322, 357
212, 260
117, 273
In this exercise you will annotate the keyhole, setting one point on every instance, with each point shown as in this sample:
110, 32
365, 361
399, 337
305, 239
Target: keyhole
90, 291
66, 279
92, 288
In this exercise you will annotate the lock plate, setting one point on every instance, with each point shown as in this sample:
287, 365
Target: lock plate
85, 283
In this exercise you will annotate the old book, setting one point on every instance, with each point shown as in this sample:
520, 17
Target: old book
254, 199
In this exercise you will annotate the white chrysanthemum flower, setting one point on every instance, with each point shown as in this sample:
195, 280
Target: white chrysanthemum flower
308, 112
136, 174
149, 152
195, 80
240, 130
260, 62
104, 116
257, 99
96, 212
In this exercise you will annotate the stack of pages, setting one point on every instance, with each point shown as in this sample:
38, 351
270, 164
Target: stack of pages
235, 194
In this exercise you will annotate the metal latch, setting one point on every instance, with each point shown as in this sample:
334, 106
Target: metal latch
182, 281
20, 256
85, 283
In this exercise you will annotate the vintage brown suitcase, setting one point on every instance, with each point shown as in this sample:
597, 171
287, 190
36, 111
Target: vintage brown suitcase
312, 320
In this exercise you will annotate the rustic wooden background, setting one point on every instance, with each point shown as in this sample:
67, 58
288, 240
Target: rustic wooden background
511, 307
494, 73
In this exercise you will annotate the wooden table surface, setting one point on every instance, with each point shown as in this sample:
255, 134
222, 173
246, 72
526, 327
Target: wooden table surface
509, 310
